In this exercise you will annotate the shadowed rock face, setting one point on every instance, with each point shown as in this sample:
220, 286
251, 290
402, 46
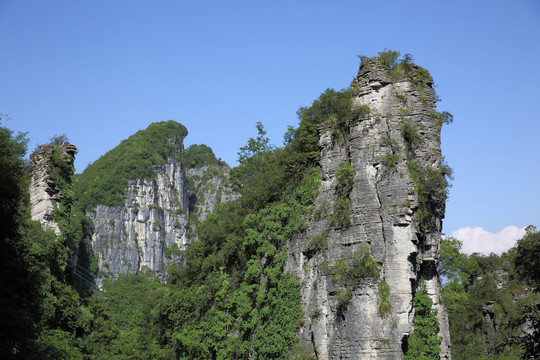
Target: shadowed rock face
383, 204
43, 189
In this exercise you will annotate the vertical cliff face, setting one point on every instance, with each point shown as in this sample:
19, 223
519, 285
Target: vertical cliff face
391, 148
208, 188
45, 190
148, 230
144, 215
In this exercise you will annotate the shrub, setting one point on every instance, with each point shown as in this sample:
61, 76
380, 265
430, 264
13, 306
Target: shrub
444, 118
391, 159
342, 207
318, 242
384, 303
344, 297
341, 216
359, 265
340, 269
410, 136
431, 189
388, 58
363, 265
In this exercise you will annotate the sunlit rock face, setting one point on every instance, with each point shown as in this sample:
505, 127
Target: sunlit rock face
44, 191
148, 230
153, 225
383, 205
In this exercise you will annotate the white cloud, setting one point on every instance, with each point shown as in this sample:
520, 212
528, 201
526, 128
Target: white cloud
479, 240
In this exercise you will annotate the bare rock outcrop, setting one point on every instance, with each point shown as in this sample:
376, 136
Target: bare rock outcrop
153, 225
147, 232
384, 206
45, 191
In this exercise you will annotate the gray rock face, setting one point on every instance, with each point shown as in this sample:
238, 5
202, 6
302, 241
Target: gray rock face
382, 213
44, 190
210, 188
152, 226
148, 230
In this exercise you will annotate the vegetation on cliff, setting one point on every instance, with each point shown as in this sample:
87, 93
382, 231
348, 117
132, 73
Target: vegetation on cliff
104, 181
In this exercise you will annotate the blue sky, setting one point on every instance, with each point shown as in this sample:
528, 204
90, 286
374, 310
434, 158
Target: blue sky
99, 71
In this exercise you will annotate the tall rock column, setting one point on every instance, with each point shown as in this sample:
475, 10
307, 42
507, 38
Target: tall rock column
392, 148
45, 191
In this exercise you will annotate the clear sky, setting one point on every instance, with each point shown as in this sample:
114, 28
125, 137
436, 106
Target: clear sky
101, 70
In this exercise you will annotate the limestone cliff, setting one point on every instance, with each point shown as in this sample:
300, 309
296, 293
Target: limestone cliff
146, 223
45, 191
147, 231
208, 187
397, 134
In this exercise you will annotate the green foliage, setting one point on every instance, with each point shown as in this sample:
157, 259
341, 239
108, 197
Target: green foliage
199, 156
358, 265
388, 58
411, 137
391, 159
384, 302
344, 297
424, 342
256, 145
334, 109
401, 67
453, 265
431, 188
341, 216
123, 320
363, 265
477, 286
394, 155
318, 242
340, 270
342, 206
527, 260
527, 266
444, 118
42, 316
170, 251
345, 177
104, 181
231, 298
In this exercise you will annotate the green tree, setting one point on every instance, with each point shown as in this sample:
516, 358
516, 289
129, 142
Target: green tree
255, 145
527, 263
424, 342
40, 313
527, 260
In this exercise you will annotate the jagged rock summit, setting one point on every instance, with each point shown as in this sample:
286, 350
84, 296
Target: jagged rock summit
392, 148
45, 191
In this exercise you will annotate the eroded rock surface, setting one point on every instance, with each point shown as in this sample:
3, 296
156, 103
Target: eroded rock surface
148, 230
152, 226
382, 212
45, 191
